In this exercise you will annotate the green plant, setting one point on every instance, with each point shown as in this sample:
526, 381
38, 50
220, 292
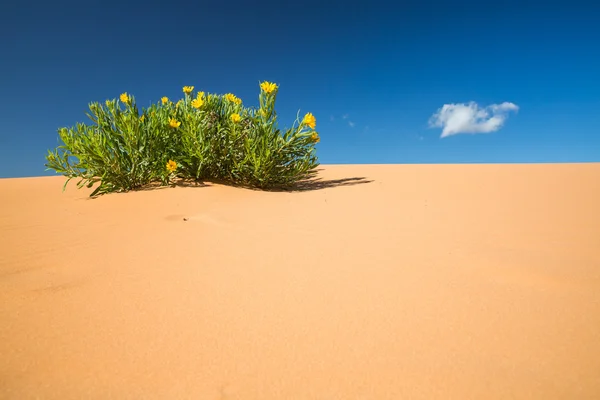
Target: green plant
202, 137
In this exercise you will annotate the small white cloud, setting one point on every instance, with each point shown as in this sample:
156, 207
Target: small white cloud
470, 118
345, 116
352, 124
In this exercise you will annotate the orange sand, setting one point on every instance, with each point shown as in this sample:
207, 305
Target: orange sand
416, 282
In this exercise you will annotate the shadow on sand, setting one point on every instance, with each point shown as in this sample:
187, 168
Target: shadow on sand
318, 184
309, 184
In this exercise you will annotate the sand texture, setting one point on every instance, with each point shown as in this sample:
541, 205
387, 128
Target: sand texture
380, 282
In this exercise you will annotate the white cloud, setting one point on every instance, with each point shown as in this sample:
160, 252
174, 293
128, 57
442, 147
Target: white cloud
345, 116
470, 118
352, 124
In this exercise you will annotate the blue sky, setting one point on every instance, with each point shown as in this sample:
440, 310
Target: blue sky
373, 73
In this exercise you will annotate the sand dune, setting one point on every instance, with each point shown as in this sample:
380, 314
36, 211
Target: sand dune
380, 282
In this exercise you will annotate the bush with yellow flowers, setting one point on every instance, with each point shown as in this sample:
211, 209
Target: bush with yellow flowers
202, 137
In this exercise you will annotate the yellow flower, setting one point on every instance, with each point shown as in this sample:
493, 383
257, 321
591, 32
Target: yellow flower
171, 166
235, 117
233, 98
173, 123
197, 103
125, 98
268, 87
188, 89
142, 118
178, 103
315, 138
200, 95
164, 100
310, 120
107, 102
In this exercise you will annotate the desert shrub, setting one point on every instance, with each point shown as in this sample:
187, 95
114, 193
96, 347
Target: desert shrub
200, 137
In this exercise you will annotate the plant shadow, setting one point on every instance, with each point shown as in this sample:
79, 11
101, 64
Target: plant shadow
311, 183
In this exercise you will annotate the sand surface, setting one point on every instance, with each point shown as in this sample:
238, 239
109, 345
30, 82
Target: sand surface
383, 282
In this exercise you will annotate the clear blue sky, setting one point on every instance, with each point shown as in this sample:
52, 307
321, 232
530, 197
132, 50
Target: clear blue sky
387, 66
